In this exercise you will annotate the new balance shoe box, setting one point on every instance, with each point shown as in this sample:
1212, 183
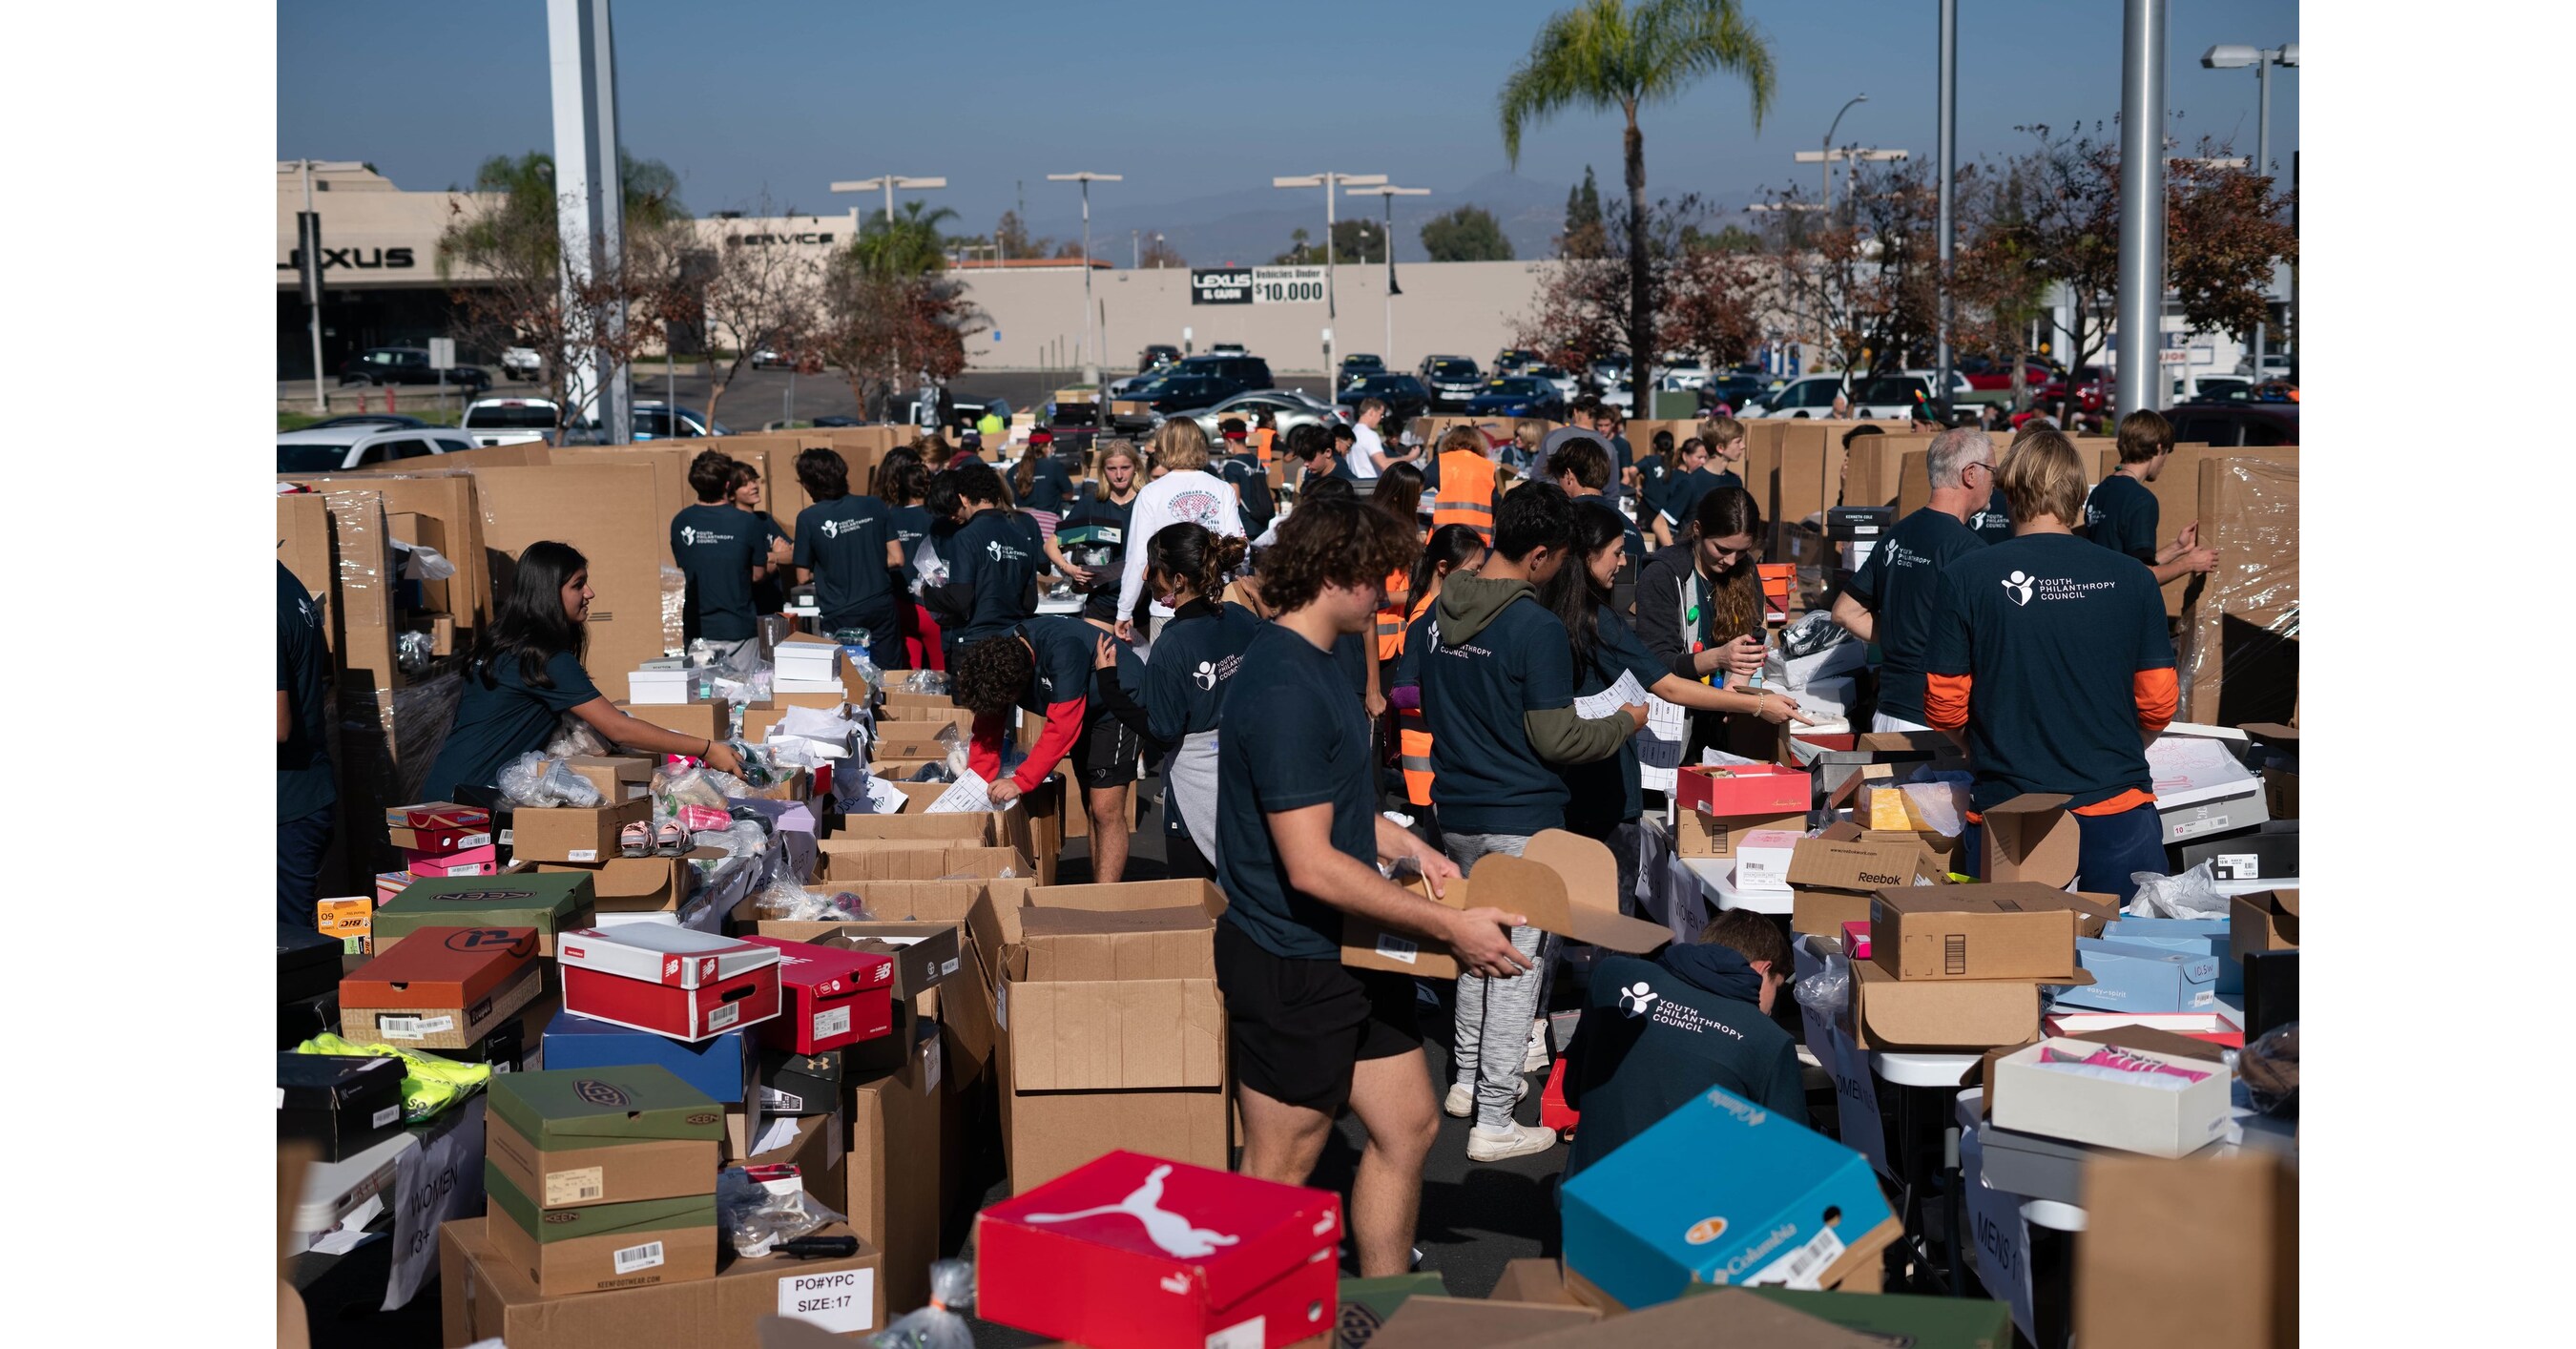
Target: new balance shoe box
1788, 1206
482, 1298
341, 1104
2007, 931
2112, 1109
788, 1083
1134, 1252
602, 1178
719, 1065
481, 861
638, 884
832, 997
548, 903
2132, 978
673, 981
1715, 808
573, 833
620, 777
445, 988
2200, 936
438, 827
308, 964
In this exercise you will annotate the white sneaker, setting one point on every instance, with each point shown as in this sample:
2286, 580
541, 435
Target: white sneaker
1461, 1100
1535, 1061
1520, 1140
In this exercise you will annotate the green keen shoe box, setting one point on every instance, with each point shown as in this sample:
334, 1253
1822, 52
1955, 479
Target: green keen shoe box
549, 901
605, 1246
572, 1137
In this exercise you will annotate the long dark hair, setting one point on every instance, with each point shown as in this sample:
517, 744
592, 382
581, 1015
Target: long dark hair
1399, 493
1026, 476
1452, 544
901, 477
1737, 597
1186, 551
531, 621
1570, 594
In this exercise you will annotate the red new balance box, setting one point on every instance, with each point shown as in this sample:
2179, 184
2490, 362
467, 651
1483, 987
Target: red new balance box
671, 981
1132, 1252
1745, 789
834, 997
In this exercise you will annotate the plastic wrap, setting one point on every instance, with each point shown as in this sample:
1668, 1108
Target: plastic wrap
2193, 894
532, 779
681, 785
413, 652
940, 1325
2270, 1069
789, 902
578, 739
1827, 991
675, 602
2240, 658
419, 562
758, 1207
423, 713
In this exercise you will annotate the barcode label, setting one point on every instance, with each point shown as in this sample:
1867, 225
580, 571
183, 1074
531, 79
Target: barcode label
634, 1258
581, 1185
2238, 866
774, 1099
1397, 948
724, 1015
2204, 998
948, 968
505, 837
472, 841
399, 1027
831, 1023
581, 854
1802, 1267
387, 1116
1954, 953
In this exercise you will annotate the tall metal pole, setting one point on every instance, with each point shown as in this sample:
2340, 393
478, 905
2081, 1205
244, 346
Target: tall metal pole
1332, 312
1826, 174
2142, 204
313, 311
590, 202
1949, 150
2263, 170
1389, 244
1091, 351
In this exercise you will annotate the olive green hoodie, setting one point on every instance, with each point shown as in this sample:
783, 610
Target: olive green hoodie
1468, 604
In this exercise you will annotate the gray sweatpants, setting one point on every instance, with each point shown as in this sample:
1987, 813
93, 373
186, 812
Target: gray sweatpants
1494, 1015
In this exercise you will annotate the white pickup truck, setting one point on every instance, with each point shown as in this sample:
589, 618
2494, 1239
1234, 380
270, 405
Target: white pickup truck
510, 421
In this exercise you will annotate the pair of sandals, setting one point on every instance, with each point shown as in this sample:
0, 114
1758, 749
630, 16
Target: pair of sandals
643, 840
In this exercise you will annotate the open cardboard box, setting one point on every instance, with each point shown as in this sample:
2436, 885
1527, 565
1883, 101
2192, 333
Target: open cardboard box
1562, 883
1833, 875
2130, 1116
2032, 837
2265, 922
1945, 1015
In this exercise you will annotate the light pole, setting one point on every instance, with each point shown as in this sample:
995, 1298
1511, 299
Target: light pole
2226, 56
1332, 308
1949, 156
888, 183
1850, 159
2142, 204
1091, 348
1389, 194
1826, 176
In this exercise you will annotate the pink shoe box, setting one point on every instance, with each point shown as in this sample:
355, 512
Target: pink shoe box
482, 861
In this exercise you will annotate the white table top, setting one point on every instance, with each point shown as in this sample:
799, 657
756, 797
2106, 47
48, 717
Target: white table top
2053, 1215
1921, 1070
1069, 605
1720, 888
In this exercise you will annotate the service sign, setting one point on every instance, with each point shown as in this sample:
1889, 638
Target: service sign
1287, 285
1221, 285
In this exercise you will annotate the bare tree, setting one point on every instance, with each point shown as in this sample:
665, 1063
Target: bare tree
761, 292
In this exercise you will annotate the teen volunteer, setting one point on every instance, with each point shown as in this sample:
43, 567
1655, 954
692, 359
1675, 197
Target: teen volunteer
721, 549
845, 547
1186, 678
1046, 664
2121, 513
1889, 600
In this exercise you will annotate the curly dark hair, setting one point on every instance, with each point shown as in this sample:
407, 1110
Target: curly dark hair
990, 677
1333, 542
711, 475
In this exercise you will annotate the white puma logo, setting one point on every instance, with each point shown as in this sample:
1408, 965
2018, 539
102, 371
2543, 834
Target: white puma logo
1169, 1230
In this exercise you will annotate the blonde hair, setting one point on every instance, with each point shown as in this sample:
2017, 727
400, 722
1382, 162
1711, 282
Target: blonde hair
1528, 435
1118, 449
1721, 432
1180, 445
2043, 475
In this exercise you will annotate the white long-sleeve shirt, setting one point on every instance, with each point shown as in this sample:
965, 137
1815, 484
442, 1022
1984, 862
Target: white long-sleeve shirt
1191, 495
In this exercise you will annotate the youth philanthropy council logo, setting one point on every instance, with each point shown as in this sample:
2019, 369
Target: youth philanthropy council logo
833, 529
2018, 585
1636, 998
1001, 552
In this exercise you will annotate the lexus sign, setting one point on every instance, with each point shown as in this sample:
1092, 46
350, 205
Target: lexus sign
1220, 285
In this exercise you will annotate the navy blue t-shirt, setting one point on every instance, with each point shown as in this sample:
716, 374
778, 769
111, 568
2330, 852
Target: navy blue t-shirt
910, 525
1252, 490
1898, 584
717, 546
1351, 654
1287, 738
769, 593
2121, 516
1652, 477
1049, 485
1608, 792
1064, 647
498, 724
843, 543
2052, 632
1485, 777
1994, 523
1093, 509
1194, 662
998, 554
304, 675
1682, 497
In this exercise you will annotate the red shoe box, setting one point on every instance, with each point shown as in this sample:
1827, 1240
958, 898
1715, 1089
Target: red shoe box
1133, 1252
1745, 789
834, 998
482, 861
672, 981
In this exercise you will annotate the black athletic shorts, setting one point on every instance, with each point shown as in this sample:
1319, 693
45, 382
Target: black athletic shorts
1105, 754
1298, 1027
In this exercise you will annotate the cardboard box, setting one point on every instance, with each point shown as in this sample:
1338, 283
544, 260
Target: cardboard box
1834, 874
1437, 1322
903, 1161
638, 884
1744, 789
925, 955
1762, 860
1974, 932
915, 739
584, 1250
1535, 1281
1699, 834
2202, 1252
445, 990
669, 980
573, 833
1947, 1015
611, 1171
2199, 936
1888, 1318
834, 996
702, 721
2265, 922
1369, 945
2132, 977
800, 1084
719, 1065
1792, 1206
481, 861
481, 1298
813, 1144
2032, 837
607, 509
2032, 1099
525, 899
340, 1106
618, 777
348, 921
1135, 1252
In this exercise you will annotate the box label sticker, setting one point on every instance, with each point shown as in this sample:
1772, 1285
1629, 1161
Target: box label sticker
723, 1015
635, 1258
773, 1099
413, 1027
1804, 1265
581, 854
580, 1185
1002, 1005
387, 1116
473, 841
842, 1302
281, 1098
933, 1060
948, 968
2237, 866
1240, 1335
831, 1023
505, 837
1397, 948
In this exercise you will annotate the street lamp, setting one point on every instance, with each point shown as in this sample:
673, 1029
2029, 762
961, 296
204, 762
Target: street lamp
1327, 181
1851, 159
1825, 176
2141, 304
2230, 56
1091, 366
889, 182
1389, 194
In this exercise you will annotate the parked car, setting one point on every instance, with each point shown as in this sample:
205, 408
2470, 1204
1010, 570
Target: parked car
1357, 366
1961, 390
1733, 389
1157, 355
1405, 396
821, 423
1240, 373
381, 420
1516, 360
1452, 380
1227, 349
2219, 389
511, 421
408, 365
2092, 387
522, 363
1987, 375
649, 421
1554, 375
2235, 423
1683, 375
1518, 396
1289, 410
335, 449
1606, 373
771, 358
1181, 393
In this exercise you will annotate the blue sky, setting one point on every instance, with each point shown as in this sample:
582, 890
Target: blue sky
1193, 100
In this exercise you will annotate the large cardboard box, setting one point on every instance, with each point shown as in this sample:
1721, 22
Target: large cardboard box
1561, 882
2007, 931
2265, 922
2032, 837
451, 517
607, 511
2240, 657
482, 1298
1946, 1015
704, 721
2202, 1252
573, 833
1833, 875
638, 884
902, 1171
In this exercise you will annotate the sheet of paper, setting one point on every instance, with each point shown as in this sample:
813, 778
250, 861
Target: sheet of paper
1626, 693
1659, 746
882, 798
967, 794
780, 1133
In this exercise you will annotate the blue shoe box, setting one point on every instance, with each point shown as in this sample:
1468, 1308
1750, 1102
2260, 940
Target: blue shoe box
721, 1067
2192, 935
1722, 1191
2128, 977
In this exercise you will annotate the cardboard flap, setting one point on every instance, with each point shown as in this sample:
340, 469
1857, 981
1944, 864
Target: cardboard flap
2030, 803
1112, 1036
1542, 884
1431, 1322
1943, 1014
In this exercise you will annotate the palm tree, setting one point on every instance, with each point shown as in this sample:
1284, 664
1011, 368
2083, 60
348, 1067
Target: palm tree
909, 245
1610, 54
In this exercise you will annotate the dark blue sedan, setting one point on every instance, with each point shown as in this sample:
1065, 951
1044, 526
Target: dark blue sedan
1518, 396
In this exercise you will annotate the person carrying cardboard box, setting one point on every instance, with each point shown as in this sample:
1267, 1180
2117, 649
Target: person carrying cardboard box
1298, 840
1889, 600
723, 550
2121, 513
2050, 664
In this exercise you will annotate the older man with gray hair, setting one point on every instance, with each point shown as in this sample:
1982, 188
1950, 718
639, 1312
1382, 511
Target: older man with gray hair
1889, 600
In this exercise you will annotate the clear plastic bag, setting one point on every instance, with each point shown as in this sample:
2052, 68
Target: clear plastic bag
534, 780
413, 651
1827, 991
788, 902
942, 1324
2193, 894
2270, 1069
758, 1207
575, 738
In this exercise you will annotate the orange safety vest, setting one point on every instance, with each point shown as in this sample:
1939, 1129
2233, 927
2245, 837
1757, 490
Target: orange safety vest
1413, 735
1466, 493
1391, 619
1261, 444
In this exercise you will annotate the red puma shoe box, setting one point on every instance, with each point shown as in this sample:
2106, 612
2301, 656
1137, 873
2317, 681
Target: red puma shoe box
672, 981
834, 997
1553, 1112
1134, 1252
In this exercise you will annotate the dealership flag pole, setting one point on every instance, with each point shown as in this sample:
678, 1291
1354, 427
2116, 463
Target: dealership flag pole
308, 230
